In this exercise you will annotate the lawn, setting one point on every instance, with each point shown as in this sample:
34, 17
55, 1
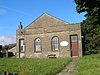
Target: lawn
89, 65
33, 66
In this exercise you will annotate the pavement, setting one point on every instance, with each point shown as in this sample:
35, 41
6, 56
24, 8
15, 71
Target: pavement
71, 68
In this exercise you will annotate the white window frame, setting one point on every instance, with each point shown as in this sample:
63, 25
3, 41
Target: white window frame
21, 45
37, 45
55, 43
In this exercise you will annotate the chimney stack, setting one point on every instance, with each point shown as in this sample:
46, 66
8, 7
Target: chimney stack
20, 26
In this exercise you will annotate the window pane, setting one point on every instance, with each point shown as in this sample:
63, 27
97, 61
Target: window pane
37, 44
55, 43
21, 43
74, 38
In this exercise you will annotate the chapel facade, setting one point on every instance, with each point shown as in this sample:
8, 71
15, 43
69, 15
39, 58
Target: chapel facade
48, 36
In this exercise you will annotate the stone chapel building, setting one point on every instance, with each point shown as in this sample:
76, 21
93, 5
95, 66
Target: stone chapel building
48, 36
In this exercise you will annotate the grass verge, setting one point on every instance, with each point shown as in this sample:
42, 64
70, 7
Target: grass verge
89, 65
33, 66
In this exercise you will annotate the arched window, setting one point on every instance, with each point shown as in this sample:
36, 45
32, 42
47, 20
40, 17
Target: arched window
55, 43
37, 44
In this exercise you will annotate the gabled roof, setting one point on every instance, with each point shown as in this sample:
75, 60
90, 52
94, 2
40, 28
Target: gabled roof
45, 21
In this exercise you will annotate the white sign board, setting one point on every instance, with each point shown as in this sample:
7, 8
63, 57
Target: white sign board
64, 43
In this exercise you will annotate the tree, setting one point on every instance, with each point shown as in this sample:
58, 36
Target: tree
91, 25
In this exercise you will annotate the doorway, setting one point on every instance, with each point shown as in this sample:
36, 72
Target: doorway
74, 45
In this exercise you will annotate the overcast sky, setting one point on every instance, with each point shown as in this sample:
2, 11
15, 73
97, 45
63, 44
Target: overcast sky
26, 11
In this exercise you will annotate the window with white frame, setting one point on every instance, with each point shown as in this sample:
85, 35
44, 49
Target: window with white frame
55, 43
37, 44
21, 45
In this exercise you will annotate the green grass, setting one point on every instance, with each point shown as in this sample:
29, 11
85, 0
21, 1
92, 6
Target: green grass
89, 65
33, 66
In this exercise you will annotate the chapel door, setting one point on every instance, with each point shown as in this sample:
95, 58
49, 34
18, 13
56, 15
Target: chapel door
74, 45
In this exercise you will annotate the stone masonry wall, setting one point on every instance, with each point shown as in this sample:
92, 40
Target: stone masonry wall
46, 43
